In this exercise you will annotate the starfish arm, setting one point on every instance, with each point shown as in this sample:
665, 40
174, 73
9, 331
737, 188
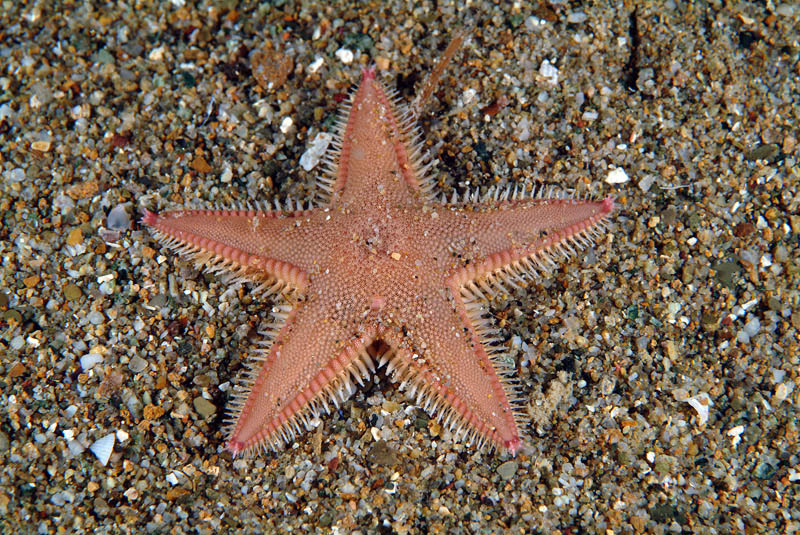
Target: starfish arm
520, 236
447, 364
310, 364
377, 151
253, 245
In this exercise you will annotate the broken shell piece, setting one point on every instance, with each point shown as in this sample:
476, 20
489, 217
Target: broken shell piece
102, 448
700, 403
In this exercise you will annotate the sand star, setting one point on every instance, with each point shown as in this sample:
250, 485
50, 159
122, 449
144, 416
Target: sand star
384, 271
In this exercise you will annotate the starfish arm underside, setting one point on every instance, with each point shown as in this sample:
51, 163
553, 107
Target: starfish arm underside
244, 245
518, 238
449, 367
309, 364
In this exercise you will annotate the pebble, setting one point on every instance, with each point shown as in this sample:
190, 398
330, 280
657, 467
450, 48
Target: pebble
286, 125
315, 151
118, 218
72, 292
90, 360
617, 176
18, 342
507, 469
75, 237
549, 72
137, 364
95, 317
204, 407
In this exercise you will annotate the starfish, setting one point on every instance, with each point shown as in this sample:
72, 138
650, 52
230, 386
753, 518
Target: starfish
383, 271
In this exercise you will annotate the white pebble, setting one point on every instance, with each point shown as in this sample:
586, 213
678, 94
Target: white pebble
118, 218
103, 447
577, 17
18, 342
286, 125
646, 182
345, 55
227, 175
467, 96
157, 54
90, 361
781, 392
315, 151
75, 447
14, 175
617, 176
549, 72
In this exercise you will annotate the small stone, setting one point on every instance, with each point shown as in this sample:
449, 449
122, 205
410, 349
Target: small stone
32, 281
12, 316
95, 317
90, 360
743, 230
16, 370
75, 237
41, 145
118, 218
200, 165
549, 72
17, 343
72, 292
204, 407
710, 321
507, 469
286, 125
382, 454
137, 364
617, 176
315, 151
153, 412
576, 17
768, 152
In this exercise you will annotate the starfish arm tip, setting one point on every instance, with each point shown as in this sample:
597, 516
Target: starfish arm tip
513, 446
608, 204
235, 447
368, 73
149, 218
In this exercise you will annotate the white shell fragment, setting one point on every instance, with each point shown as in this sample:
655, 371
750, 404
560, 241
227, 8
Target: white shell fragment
700, 403
345, 55
102, 448
617, 176
734, 433
316, 64
315, 151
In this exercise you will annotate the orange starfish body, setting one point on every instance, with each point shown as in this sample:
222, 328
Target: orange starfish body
383, 259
